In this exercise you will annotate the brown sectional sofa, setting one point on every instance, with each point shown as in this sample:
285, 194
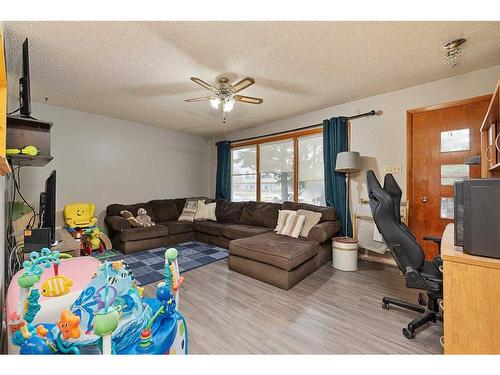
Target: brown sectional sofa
245, 228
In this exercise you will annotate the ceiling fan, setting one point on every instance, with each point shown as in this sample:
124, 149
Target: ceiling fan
224, 94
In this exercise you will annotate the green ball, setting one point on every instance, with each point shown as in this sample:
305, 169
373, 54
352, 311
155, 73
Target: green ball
171, 254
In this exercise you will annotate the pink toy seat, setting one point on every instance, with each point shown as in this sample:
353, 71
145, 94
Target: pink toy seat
80, 270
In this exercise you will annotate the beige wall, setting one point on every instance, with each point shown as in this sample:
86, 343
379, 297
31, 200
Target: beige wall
105, 160
381, 140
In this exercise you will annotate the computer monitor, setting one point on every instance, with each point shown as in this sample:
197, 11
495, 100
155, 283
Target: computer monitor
48, 207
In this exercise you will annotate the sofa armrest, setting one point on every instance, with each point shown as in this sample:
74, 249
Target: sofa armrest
324, 231
117, 223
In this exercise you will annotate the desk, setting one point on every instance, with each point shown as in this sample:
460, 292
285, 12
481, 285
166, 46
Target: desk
471, 300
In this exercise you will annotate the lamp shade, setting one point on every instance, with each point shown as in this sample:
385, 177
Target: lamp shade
348, 161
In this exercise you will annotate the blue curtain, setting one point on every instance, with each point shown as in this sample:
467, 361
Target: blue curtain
335, 141
223, 182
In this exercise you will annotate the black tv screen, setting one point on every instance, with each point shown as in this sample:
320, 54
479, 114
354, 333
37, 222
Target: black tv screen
48, 206
24, 83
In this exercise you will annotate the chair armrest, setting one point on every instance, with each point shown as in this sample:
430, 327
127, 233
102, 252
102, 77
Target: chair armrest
323, 231
117, 223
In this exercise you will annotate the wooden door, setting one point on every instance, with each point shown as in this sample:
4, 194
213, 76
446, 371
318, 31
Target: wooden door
440, 138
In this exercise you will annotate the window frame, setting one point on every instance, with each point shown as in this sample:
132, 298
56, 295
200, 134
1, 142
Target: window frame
294, 136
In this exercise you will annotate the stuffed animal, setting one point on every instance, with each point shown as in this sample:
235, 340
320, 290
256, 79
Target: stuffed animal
144, 218
131, 219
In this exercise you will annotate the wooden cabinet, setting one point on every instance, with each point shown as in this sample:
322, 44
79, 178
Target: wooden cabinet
471, 300
490, 138
4, 165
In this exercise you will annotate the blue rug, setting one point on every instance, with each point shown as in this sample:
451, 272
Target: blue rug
147, 266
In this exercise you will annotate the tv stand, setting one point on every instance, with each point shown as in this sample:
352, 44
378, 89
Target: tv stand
65, 243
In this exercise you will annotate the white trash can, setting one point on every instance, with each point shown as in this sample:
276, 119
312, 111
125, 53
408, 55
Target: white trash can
345, 254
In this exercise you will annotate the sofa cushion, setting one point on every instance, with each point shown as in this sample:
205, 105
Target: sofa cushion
117, 223
229, 212
164, 209
327, 213
261, 214
177, 227
280, 251
233, 231
115, 209
135, 234
179, 202
324, 231
209, 227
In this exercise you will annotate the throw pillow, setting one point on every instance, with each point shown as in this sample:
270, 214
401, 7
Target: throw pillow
312, 218
189, 211
282, 215
293, 225
205, 211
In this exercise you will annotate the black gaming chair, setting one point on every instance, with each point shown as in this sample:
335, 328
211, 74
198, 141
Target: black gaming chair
409, 256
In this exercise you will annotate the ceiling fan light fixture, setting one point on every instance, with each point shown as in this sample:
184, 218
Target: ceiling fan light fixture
229, 105
453, 52
215, 102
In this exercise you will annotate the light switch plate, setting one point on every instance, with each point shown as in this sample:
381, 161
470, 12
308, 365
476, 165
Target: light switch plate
394, 169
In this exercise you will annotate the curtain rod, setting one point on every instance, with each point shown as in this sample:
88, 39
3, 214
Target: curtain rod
366, 114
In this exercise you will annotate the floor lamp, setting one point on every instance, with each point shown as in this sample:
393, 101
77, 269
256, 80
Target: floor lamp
347, 161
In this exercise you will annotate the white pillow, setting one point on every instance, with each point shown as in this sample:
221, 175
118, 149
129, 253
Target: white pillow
293, 225
312, 218
205, 211
282, 214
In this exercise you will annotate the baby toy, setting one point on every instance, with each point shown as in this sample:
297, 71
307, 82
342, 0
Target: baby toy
79, 215
29, 150
109, 316
57, 285
143, 218
91, 240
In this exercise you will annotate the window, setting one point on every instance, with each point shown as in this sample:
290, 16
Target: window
311, 173
289, 169
244, 174
276, 171
450, 173
455, 140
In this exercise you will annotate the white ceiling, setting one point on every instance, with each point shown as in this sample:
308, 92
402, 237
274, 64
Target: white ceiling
139, 71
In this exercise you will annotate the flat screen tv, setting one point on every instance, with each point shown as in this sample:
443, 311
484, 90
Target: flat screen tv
24, 84
48, 207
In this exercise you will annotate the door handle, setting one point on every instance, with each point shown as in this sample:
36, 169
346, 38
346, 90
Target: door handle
425, 199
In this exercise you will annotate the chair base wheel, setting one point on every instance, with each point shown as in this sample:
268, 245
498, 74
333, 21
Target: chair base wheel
385, 305
408, 334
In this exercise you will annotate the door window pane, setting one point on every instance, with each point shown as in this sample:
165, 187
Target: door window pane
311, 173
453, 172
244, 174
455, 140
447, 211
276, 171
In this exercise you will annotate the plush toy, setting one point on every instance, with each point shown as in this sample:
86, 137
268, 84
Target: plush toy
92, 241
131, 219
80, 215
144, 218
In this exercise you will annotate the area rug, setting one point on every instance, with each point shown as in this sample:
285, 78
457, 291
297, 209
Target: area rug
147, 265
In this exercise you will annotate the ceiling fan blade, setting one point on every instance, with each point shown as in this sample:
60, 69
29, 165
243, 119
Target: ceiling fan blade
243, 84
248, 99
198, 99
204, 84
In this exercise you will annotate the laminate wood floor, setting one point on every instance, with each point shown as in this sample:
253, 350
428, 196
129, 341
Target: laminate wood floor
330, 312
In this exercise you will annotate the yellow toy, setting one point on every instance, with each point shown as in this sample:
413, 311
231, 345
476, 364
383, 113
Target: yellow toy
80, 215
28, 150
56, 286
92, 241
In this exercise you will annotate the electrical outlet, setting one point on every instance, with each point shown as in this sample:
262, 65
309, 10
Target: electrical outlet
394, 169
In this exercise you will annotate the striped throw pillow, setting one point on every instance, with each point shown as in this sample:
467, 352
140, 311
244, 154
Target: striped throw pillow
282, 214
189, 211
293, 225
